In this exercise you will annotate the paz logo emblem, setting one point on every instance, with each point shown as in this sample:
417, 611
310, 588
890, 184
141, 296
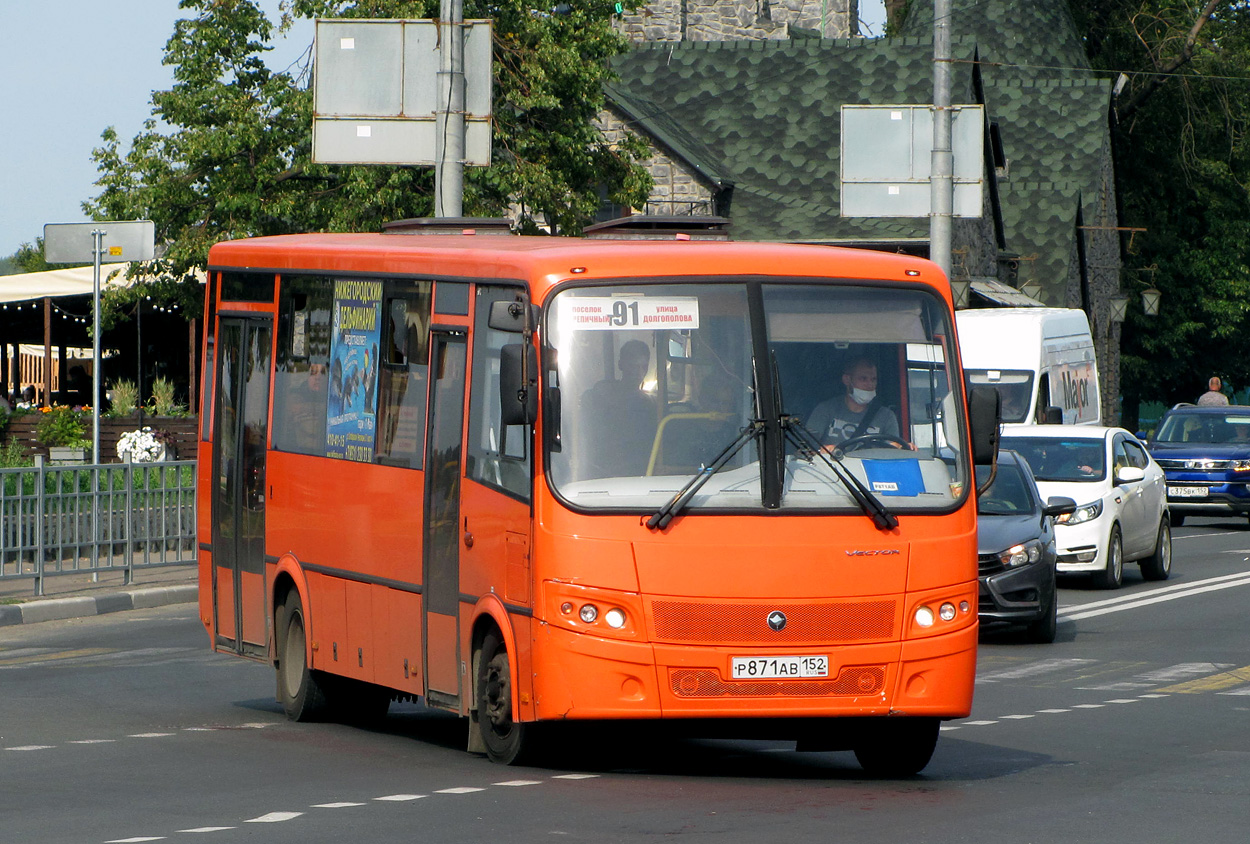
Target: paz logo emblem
777, 620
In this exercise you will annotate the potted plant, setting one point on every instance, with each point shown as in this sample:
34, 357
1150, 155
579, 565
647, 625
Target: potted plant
146, 446
61, 430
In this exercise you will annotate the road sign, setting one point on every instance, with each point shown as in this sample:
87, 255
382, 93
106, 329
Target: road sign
74, 243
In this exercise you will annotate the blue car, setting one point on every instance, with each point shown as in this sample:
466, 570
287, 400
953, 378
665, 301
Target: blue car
1016, 549
1205, 454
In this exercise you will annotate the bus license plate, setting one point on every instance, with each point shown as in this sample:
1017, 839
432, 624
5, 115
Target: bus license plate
779, 667
1187, 491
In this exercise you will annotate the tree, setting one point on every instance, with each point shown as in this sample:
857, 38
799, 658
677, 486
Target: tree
237, 162
1183, 167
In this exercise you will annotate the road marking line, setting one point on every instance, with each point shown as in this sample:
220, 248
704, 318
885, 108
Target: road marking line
978, 723
208, 829
33, 747
1124, 700
399, 798
55, 657
946, 728
335, 805
1016, 717
136, 840
1155, 596
575, 776
1089, 706
93, 741
1244, 690
464, 789
1053, 711
149, 735
1151, 696
1214, 683
1032, 669
274, 817
520, 782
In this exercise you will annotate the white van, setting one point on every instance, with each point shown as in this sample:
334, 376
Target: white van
1039, 358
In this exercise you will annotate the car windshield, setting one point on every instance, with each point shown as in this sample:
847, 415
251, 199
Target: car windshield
649, 382
1009, 494
1197, 427
1061, 458
1015, 387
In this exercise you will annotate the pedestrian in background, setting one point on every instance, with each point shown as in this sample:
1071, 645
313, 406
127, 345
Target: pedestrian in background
1213, 397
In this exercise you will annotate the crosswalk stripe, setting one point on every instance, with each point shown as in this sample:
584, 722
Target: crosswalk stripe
1214, 683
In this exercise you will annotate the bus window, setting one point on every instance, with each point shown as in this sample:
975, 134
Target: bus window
301, 373
404, 374
497, 456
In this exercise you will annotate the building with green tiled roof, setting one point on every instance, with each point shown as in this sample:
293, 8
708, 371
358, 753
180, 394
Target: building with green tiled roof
751, 130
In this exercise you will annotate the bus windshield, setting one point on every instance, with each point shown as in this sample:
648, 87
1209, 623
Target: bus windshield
648, 384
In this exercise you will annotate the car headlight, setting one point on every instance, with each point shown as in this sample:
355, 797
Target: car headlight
1239, 465
1022, 554
1084, 513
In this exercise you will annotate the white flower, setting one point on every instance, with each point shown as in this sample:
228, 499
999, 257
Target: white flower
143, 446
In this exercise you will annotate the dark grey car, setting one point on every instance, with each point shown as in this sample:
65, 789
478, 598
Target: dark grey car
1016, 550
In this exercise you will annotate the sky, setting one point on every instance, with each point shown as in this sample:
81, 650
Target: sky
68, 70
71, 68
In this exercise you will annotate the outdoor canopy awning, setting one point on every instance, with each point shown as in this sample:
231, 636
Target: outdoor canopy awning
76, 281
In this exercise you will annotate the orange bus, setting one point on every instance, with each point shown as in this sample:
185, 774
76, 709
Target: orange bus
531, 480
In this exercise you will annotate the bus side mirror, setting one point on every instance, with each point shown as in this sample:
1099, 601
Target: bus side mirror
984, 416
507, 316
518, 383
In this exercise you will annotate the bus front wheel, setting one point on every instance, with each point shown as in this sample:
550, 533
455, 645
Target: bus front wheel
504, 737
299, 692
897, 748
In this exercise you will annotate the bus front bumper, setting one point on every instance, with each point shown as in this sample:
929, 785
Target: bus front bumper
588, 677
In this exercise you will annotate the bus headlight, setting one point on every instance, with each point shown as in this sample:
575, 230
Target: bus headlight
924, 617
588, 613
614, 618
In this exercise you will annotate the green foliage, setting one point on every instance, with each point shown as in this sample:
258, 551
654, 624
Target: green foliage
13, 455
62, 426
29, 259
1183, 167
163, 403
125, 395
236, 159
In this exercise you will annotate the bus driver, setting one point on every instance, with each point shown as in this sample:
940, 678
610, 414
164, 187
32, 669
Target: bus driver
856, 412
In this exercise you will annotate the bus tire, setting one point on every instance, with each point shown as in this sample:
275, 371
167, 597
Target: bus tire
898, 747
299, 690
503, 737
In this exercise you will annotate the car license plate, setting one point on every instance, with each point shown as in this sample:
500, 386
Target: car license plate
779, 667
1187, 491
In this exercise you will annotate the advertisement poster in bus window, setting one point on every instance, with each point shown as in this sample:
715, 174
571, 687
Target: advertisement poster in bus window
351, 428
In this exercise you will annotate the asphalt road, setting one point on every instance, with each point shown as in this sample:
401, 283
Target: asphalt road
1132, 727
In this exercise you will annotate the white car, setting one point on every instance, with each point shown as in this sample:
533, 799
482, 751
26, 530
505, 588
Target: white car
1120, 492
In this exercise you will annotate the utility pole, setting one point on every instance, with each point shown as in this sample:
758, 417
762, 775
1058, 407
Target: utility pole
942, 180
449, 124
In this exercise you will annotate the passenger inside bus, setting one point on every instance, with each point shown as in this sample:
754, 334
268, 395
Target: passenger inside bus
857, 412
694, 435
622, 416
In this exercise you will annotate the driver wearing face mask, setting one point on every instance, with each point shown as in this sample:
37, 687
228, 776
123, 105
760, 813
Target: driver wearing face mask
856, 413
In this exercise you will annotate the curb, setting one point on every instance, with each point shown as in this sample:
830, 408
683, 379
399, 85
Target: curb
57, 609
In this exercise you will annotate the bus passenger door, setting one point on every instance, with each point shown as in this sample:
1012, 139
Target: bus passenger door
238, 502
448, 356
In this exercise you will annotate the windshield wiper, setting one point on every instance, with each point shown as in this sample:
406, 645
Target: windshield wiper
660, 519
808, 446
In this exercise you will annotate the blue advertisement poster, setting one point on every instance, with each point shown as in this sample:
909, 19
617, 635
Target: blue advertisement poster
351, 428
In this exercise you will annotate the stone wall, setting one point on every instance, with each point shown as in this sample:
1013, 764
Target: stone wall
738, 20
678, 189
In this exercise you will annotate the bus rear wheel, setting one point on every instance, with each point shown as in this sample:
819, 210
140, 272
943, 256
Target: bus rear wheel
505, 738
299, 691
898, 747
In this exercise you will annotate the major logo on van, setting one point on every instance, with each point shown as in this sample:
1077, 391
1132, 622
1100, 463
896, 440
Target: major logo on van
1074, 385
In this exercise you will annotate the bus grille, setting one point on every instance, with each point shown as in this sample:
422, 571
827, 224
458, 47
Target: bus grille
747, 624
852, 680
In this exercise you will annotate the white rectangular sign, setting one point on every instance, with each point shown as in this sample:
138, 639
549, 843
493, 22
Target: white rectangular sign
74, 243
628, 313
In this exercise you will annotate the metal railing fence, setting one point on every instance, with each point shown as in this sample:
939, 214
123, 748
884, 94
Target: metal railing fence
90, 519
